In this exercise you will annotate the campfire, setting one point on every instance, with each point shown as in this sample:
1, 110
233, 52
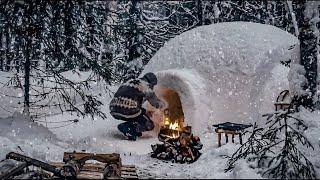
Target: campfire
178, 142
170, 129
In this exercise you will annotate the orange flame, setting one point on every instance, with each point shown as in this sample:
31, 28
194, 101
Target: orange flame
166, 122
174, 126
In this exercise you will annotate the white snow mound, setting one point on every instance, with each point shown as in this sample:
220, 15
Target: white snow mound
220, 71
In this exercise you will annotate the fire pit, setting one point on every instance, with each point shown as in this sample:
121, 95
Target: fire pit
178, 142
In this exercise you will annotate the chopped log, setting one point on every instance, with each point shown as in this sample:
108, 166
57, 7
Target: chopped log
185, 139
183, 149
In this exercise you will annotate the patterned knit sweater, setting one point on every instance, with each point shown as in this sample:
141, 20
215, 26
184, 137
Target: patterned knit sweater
129, 98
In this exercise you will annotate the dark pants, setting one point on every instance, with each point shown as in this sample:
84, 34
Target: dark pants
135, 126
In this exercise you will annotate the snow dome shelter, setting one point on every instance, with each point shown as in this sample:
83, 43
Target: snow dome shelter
225, 71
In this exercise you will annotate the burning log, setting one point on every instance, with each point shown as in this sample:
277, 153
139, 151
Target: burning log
182, 148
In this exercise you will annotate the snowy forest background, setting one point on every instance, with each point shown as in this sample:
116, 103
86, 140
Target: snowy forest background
115, 39
111, 42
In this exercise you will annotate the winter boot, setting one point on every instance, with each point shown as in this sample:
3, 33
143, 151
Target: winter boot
129, 130
144, 125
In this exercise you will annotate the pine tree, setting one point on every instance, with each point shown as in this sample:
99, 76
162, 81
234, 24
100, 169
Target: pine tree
128, 32
46, 38
276, 148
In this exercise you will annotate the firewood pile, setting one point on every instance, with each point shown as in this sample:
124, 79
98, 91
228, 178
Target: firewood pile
182, 149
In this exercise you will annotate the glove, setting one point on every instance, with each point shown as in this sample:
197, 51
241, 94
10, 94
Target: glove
161, 105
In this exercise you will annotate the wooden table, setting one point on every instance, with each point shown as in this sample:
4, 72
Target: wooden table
230, 128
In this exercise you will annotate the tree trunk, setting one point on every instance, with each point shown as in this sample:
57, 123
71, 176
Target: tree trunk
308, 51
133, 32
68, 32
29, 32
27, 70
7, 51
1, 52
200, 15
56, 55
293, 18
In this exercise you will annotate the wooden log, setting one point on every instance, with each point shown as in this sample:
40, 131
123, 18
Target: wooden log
9, 168
191, 153
31, 161
185, 139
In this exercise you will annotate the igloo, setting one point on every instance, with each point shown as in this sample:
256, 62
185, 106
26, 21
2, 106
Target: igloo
224, 72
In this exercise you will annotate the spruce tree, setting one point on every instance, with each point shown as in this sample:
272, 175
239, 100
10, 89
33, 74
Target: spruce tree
277, 148
45, 39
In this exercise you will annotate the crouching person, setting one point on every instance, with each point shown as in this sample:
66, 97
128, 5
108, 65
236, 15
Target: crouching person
127, 103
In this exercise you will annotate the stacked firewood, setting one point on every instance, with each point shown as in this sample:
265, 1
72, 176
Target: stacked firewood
183, 149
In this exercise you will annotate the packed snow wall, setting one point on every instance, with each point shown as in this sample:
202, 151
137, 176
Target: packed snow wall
225, 71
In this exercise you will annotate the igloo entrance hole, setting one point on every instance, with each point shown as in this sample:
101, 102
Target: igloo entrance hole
174, 112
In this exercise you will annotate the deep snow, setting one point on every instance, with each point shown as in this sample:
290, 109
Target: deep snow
47, 140
101, 136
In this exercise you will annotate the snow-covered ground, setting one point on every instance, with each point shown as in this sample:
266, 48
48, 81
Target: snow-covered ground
101, 136
48, 138
48, 143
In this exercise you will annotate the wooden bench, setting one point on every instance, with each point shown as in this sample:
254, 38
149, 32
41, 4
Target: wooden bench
230, 128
